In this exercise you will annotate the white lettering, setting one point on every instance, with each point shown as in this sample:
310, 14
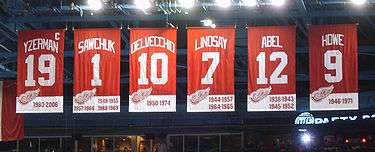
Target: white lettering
96, 44
211, 41
41, 44
271, 41
332, 39
152, 41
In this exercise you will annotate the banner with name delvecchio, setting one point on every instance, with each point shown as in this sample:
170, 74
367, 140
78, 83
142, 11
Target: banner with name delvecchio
210, 65
333, 67
271, 68
96, 77
40, 71
152, 62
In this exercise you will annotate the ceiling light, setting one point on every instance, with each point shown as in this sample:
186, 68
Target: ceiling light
142, 4
278, 2
186, 3
358, 2
95, 4
306, 138
223, 3
207, 22
249, 3
363, 140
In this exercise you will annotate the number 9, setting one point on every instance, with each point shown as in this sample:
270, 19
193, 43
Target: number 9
337, 66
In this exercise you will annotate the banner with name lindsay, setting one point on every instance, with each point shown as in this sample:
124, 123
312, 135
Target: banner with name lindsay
152, 62
271, 70
210, 65
333, 67
96, 70
40, 71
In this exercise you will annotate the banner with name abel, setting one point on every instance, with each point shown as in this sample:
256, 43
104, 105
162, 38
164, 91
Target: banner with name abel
271, 74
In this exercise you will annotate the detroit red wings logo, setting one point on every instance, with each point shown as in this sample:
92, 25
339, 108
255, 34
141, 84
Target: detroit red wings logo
140, 95
321, 93
199, 95
260, 94
28, 96
84, 96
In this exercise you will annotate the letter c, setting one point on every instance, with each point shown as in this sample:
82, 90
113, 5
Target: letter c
57, 36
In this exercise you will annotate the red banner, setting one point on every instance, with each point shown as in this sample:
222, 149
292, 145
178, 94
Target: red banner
40, 71
333, 67
210, 60
12, 124
152, 62
271, 73
96, 70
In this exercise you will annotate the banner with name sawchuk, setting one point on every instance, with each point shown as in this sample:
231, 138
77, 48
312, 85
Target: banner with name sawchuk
271, 68
96, 79
210, 65
152, 62
40, 71
333, 67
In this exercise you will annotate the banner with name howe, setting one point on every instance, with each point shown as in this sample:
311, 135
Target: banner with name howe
271, 68
210, 65
96, 82
333, 67
40, 71
152, 62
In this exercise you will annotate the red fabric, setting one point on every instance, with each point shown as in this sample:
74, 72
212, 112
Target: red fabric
287, 42
23, 37
96, 70
12, 123
349, 82
109, 65
137, 39
223, 76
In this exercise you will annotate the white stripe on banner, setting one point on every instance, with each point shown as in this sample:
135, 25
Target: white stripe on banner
1, 110
44, 104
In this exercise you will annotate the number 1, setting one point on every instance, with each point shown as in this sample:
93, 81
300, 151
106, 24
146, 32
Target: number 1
95, 60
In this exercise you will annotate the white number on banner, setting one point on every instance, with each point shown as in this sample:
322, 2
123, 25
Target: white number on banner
276, 77
337, 65
215, 56
143, 80
95, 60
50, 70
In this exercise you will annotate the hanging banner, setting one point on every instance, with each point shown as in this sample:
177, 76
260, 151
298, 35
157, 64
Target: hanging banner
152, 62
12, 124
333, 67
271, 68
210, 60
96, 70
40, 71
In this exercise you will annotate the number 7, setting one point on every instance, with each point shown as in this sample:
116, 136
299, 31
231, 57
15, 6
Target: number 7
215, 56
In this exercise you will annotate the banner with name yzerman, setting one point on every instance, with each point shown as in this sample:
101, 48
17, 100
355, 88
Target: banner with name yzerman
333, 67
210, 65
271, 68
152, 62
96, 77
40, 71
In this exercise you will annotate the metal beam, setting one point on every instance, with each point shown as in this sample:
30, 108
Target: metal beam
213, 14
